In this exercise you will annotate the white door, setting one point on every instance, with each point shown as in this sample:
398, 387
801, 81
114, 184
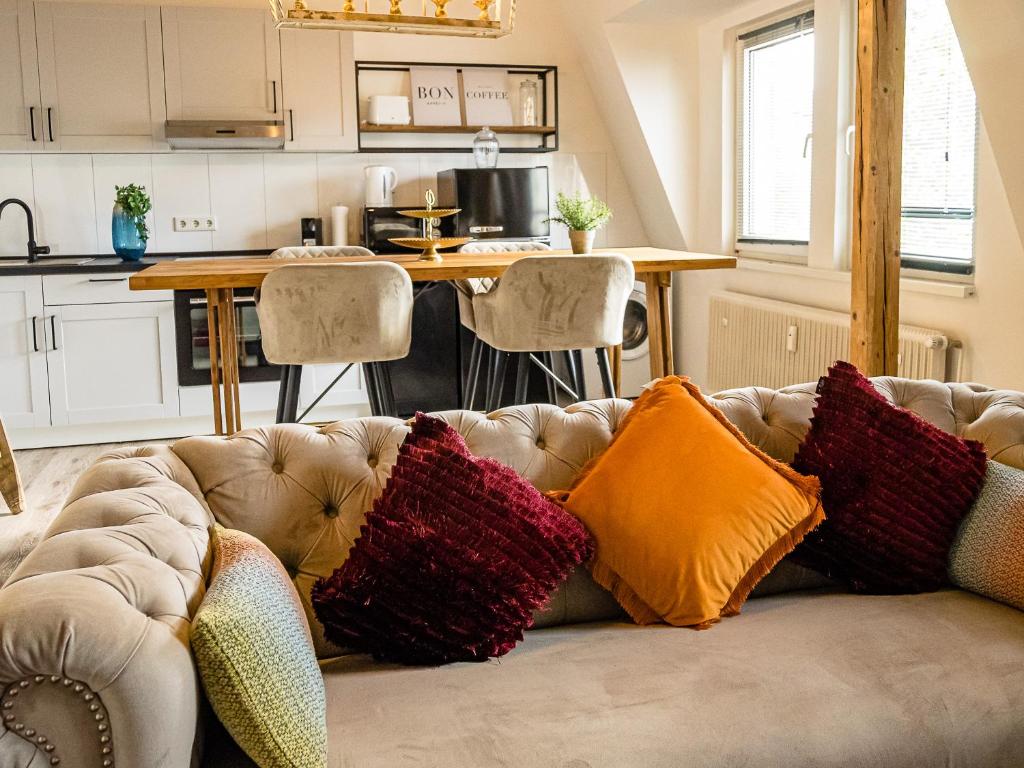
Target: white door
20, 107
24, 399
111, 362
221, 64
319, 78
101, 75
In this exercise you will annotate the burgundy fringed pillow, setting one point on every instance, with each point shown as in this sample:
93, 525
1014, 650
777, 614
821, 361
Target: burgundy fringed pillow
895, 489
453, 558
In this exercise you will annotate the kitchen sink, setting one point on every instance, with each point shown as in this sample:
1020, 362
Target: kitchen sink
58, 262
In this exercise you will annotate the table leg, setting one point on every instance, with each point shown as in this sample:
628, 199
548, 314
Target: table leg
10, 480
616, 362
659, 323
213, 332
229, 360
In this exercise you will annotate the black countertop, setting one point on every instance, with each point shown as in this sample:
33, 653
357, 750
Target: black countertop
57, 264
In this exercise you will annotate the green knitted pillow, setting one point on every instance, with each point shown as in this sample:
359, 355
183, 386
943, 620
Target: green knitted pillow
255, 656
987, 557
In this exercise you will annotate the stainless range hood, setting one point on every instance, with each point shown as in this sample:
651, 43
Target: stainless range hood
225, 134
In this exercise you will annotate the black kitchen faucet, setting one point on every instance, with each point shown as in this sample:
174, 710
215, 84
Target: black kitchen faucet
33, 250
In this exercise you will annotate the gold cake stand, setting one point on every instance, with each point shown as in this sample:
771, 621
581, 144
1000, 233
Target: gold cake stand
430, 246
428, 243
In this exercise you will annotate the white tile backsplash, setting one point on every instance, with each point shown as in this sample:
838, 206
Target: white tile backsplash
16, 181
238, 200
118, 170
291, 195
181, 187
65, 203
258, 198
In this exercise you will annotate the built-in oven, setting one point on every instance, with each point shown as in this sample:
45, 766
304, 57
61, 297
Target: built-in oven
193, 339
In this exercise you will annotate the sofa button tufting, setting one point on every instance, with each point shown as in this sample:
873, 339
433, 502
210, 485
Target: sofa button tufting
372, 462
331, 511
278, 468
540, 443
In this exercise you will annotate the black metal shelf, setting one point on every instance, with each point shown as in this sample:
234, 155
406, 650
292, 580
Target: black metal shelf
546, 133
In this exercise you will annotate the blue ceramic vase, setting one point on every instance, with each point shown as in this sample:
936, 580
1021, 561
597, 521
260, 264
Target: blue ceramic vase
125, 235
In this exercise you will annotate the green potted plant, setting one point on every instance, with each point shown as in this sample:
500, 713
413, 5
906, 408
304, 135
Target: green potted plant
128, 228
583, 216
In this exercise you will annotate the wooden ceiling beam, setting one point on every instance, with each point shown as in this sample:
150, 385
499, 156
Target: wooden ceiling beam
878, 164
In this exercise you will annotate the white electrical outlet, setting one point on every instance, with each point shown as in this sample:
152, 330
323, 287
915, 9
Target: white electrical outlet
195, 223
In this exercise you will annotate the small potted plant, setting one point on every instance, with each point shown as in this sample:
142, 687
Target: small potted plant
128, 224
583, 216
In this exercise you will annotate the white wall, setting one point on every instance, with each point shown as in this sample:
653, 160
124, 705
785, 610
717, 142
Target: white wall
259, 198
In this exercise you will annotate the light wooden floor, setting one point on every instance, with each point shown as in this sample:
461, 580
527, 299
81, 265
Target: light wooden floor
48, 475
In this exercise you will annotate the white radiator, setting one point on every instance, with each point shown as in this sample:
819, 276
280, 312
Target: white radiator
765, 343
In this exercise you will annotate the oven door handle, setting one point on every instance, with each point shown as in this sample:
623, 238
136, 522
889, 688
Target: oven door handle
239, 301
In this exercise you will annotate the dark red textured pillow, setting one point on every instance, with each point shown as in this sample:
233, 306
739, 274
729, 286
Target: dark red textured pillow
453, 558
895, 489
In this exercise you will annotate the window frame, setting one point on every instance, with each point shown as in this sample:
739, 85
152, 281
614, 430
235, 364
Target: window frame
789, 251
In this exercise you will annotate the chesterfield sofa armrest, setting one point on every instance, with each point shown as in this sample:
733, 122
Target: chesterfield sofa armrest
95, 665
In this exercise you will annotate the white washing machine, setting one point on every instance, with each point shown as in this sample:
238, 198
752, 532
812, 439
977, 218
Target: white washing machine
636, 356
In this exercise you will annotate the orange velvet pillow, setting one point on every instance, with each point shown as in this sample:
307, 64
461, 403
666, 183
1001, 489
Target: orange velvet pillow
687, 515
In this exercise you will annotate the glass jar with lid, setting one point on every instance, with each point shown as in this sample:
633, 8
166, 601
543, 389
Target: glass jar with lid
528, 103
486, 148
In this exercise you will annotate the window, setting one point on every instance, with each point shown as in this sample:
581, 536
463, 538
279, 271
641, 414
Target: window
775, 77
939, 145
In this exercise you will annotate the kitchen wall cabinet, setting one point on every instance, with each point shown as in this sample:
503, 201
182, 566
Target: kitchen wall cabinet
24, 399
111, 362
20, 107
221, 64
319, 84
100, 76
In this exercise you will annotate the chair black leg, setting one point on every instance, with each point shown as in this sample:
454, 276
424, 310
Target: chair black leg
548, 359
387, 392
522, 377
291, 407
582, 377
282, 393
497, 380
604, 366
372, 389
574, 375
469, 392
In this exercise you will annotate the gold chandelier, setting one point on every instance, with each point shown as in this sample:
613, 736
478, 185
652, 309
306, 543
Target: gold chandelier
434, 17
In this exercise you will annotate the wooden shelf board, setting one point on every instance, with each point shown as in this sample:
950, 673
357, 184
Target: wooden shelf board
531, 130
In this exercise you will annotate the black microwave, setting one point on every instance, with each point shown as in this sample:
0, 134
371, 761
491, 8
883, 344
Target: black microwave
381, 224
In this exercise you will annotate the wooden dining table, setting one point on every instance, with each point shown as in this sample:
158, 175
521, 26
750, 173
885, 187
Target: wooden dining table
219, 277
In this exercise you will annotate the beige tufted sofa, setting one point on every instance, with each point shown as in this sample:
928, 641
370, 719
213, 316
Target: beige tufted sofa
96, 669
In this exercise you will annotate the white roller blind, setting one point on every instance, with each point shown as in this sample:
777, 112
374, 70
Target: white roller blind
775, 89
939, 143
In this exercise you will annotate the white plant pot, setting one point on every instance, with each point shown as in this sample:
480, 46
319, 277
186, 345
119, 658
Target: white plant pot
582, 242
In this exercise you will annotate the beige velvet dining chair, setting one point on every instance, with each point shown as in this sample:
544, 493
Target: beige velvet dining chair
466, 290
322, 252
336, 313
553, 304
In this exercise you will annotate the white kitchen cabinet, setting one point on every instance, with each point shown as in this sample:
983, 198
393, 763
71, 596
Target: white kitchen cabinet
100, 76
221, 64
319, 84
20, 106
111, 362
24, 399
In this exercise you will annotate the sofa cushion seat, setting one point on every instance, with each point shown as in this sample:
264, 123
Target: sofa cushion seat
816, 679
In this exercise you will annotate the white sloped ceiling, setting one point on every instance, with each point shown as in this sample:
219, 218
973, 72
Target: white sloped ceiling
991, 34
